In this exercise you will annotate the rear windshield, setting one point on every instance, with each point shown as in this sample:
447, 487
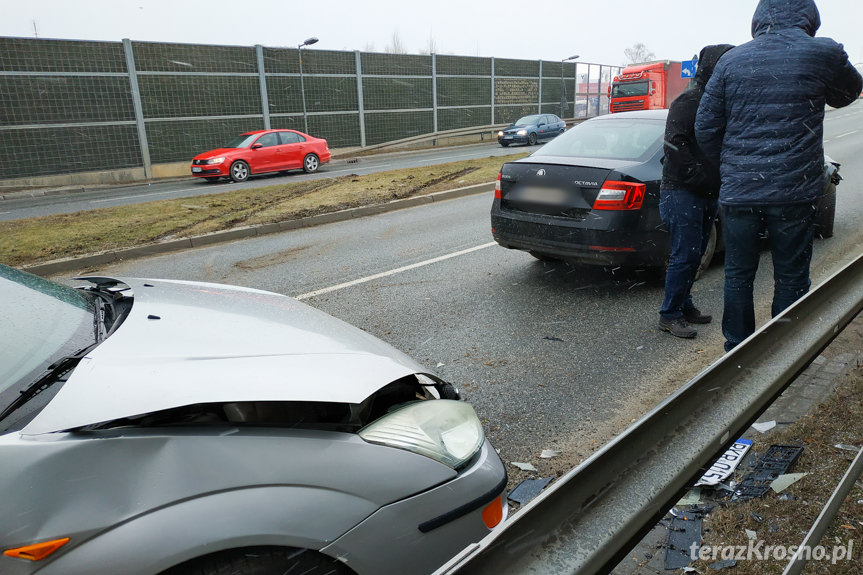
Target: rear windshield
618, 139
624, 89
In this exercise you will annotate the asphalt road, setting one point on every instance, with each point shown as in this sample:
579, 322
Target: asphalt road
551, 356
73, 199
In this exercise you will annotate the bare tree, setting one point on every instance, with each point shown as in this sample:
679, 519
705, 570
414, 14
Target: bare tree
431, 47
638, 53
370, 47
396, 46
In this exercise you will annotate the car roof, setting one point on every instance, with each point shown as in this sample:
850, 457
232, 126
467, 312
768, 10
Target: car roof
185, 343
639, 114
255, 132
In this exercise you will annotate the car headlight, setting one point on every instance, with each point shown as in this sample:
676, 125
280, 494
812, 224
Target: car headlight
499, 134
445, 430
522, 132
215, 160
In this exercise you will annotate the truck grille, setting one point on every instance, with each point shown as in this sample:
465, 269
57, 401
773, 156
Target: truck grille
627, 106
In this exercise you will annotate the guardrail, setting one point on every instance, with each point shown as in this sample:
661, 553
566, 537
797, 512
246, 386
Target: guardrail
588, 520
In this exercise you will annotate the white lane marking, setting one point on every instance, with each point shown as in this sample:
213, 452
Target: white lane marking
846, 134
1, 213
393, 272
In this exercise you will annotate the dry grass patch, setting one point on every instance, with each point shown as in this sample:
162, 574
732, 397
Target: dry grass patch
29, 241
786, 522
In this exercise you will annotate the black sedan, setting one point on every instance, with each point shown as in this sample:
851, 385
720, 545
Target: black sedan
591, 196
531, 129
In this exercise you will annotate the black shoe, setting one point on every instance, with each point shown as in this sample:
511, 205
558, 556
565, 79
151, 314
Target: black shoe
677, 327
693, 315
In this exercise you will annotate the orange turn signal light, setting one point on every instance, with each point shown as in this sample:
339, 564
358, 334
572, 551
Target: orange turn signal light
492, 514
37, 551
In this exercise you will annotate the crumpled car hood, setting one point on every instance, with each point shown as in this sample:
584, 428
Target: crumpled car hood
185, 343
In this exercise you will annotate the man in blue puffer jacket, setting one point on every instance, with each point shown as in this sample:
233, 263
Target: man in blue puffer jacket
762, 120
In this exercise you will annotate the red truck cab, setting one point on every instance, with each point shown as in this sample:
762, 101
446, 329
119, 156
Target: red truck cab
649, 86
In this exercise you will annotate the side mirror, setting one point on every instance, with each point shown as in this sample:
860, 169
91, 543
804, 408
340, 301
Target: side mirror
256, 146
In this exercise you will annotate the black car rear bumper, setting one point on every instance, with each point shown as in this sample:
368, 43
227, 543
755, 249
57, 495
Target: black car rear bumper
573, 241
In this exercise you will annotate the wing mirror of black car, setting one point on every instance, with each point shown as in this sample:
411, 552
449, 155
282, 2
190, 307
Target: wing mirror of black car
256, 146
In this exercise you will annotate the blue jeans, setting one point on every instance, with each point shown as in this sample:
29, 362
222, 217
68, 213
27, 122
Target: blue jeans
789, 229
689, 218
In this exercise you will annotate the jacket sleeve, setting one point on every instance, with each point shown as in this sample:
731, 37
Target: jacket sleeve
710, 119
847, 82
681, 151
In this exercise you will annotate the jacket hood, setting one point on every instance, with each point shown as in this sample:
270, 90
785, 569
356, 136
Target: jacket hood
707, 61
771, 15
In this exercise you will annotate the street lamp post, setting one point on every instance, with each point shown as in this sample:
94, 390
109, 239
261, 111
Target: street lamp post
308, 42
563, 86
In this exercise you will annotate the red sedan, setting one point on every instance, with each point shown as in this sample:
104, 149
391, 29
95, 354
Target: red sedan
260, 152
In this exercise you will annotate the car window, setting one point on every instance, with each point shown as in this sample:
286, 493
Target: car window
527, 120
268, 140
291, 138
629, 139
48, 321
242, 141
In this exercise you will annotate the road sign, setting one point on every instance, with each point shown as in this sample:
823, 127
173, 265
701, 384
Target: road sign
687, 68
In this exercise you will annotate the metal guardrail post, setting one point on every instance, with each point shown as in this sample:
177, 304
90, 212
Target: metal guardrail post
587, 521
434, 90
262, 79
139, 111
360, 107
492, 90
539, 89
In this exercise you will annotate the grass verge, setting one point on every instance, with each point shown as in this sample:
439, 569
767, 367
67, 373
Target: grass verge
35, 240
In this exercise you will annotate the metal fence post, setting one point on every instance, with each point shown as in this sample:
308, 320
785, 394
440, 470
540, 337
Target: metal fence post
262, 78
434, 89
539, 110
360, 107
139, 111
492, 90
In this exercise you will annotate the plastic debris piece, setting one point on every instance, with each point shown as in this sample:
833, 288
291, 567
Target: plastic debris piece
690, 570
523, 466
723, 564
776, 461
787, 497
683, 534
751, 534
764, 426
783, 482
528, 489
549, 453
755, 516
439, 364
693, 497
846, 447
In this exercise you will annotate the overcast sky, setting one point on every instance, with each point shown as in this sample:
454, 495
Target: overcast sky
598, 31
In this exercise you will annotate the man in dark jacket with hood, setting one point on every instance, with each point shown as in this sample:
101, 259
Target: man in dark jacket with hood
688, 201
762, 119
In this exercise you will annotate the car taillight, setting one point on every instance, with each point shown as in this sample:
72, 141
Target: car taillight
620, 196
497, 195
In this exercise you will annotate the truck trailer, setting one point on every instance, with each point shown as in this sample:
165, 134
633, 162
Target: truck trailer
647, 86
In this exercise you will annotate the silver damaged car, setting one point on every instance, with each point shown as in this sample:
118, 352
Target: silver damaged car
170, 427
